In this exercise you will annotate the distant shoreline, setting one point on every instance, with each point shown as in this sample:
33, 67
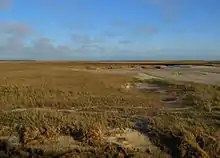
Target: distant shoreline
134, 62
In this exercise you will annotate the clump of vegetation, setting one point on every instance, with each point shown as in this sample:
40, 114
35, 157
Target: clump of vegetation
185, 135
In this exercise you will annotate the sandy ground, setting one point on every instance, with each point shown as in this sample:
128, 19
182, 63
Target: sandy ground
198, 74
127, 138
207, 75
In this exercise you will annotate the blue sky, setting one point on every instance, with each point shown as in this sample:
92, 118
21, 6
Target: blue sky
109, 29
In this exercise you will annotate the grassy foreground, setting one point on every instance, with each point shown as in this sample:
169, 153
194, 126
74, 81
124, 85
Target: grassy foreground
48, 110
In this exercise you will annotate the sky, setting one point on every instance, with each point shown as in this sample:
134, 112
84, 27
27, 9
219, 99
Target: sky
109, 29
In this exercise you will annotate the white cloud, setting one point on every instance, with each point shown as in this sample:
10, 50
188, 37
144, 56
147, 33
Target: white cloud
12, 34
12, 37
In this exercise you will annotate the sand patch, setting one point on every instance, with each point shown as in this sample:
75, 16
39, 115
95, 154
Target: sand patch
58, 144
132, 139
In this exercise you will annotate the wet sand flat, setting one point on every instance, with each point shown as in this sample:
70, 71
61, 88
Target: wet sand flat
197, 74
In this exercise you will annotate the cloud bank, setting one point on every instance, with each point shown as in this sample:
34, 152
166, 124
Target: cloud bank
13, 45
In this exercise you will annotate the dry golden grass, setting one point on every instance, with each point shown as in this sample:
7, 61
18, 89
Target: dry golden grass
42, 101
39, 85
